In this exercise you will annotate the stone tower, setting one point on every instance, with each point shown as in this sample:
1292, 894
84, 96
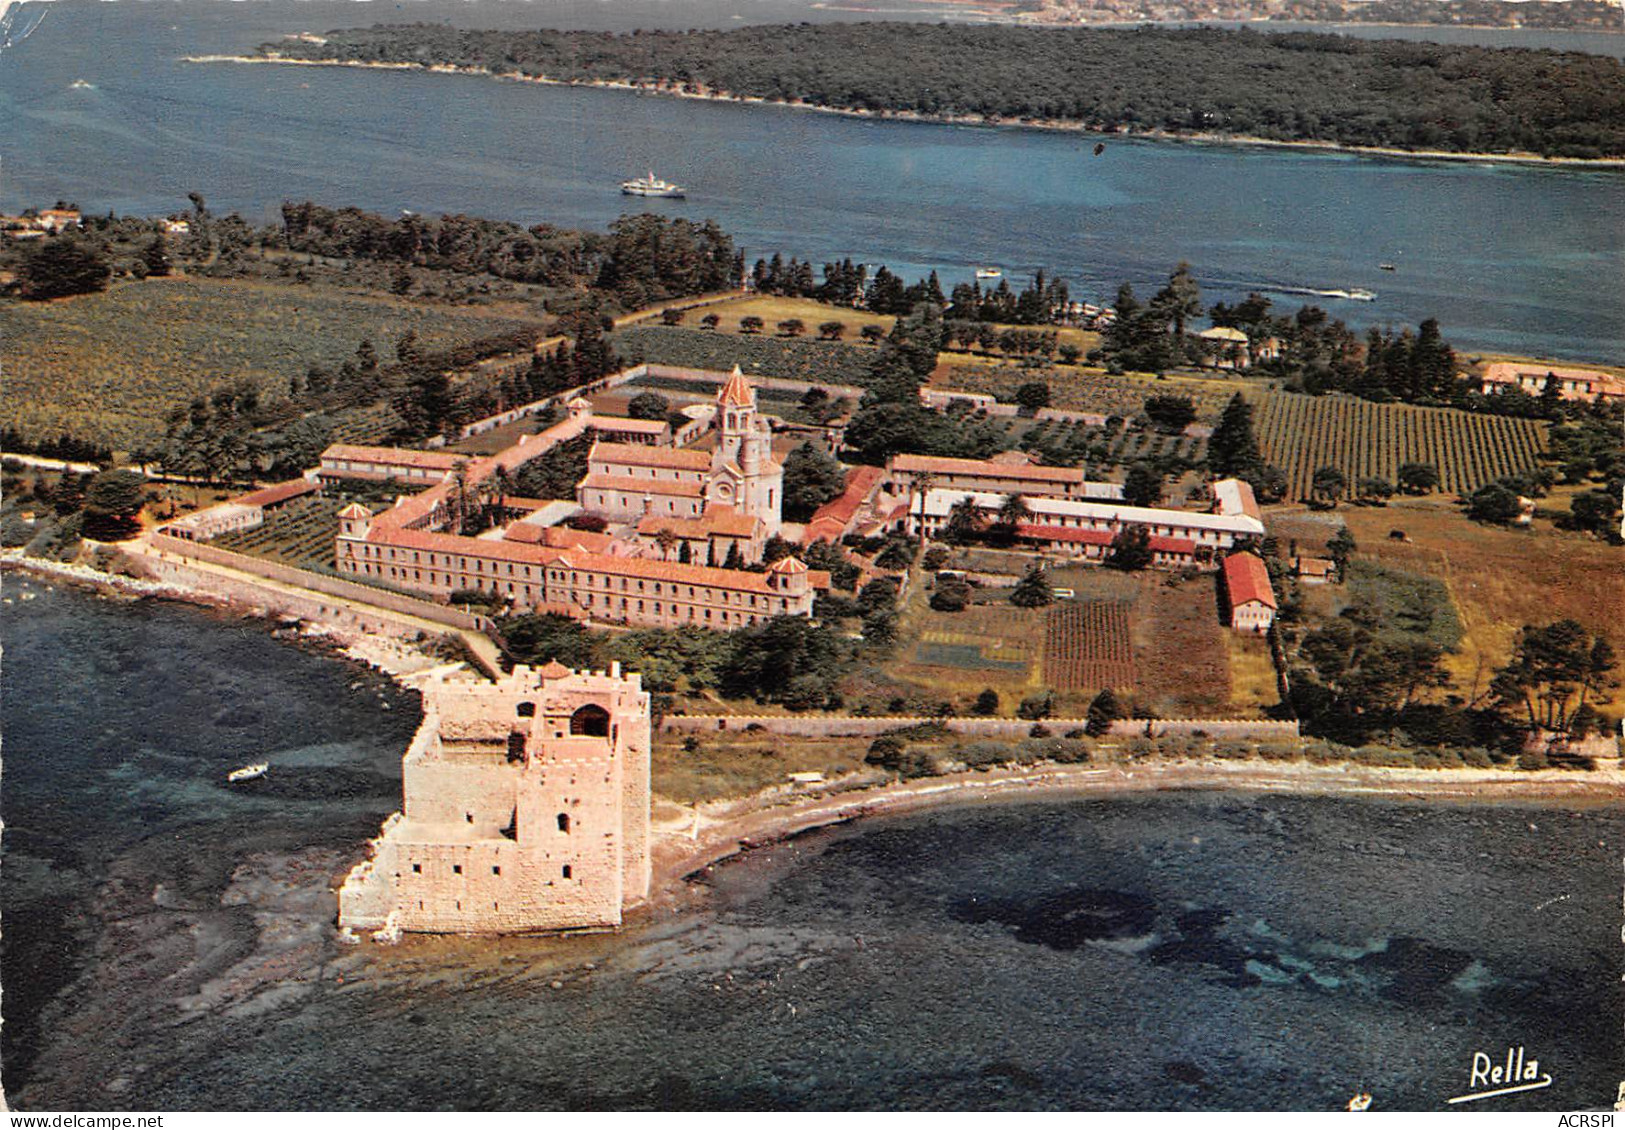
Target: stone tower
525, 806
744, 473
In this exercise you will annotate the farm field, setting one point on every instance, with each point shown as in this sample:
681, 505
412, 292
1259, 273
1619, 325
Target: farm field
107, 367
1499, 579
1087, 646
1301, 434
301, 534
1085, 389
797, 359
985, 645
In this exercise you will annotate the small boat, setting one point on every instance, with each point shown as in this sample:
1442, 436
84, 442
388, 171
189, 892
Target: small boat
1361, 1101
248, 772
988, 273
1360, 295
1386, 267
651, 185
81, 84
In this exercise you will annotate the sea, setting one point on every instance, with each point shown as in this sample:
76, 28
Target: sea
169, 939
1509, 258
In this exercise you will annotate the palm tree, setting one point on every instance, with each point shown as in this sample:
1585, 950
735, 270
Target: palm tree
920, 484
666, 539
1013, 511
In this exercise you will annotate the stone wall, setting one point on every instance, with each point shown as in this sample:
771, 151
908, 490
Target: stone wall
318, 582
827, 726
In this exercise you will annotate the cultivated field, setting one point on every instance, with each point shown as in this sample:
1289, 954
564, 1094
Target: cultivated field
1084, 389
1088, 646
1301, 434
107, 367
300, 534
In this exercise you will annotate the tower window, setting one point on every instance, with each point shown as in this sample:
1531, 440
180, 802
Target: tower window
566, 870
564, 821
456, 868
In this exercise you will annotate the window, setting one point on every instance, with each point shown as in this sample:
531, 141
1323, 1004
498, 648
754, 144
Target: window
526, 710
564, 822
591, 720
456, 868
566, 870
417, 868
496, 870
470, 816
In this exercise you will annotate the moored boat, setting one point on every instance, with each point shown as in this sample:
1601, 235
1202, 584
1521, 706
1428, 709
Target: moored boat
983, 273
248, 772
651, 185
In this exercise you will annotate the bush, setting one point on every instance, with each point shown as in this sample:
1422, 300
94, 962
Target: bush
1036, 707
1039, 730
987, 703
951, 596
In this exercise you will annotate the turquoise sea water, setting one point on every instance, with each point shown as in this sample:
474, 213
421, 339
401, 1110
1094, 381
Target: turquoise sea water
169, 940
1508, 257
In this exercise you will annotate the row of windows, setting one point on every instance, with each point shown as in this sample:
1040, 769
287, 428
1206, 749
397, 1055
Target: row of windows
623, 471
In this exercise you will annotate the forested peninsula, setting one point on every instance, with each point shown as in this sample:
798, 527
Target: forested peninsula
1299, 87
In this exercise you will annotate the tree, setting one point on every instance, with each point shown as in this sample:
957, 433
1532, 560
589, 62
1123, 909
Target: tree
811, 478
155, 257
1180, 300
750, 324
1033, 590
1375, 489
1327, 485
792, 327
1131, 549
831, 331
1493, 503
1033, 395
1233, 448
787, 659
113, 501
1554, 671
987, 703
672, 316
64, 266
1142, 486
1418, 478
964, 523
872, 333
1596, 511
1341, 547
951, 595
1171, 413
537, 639
711, 321
648, 406
1103, 711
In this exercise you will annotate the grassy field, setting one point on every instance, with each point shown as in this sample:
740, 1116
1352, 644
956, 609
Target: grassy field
107, 367
1085, 389
727, 764
1301, 434
1499, 579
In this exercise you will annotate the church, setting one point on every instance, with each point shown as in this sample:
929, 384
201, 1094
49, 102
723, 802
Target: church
697, 508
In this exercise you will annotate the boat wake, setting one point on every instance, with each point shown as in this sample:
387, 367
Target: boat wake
1352, 294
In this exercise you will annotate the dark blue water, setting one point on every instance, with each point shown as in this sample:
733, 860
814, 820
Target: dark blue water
1509, 258
169, 942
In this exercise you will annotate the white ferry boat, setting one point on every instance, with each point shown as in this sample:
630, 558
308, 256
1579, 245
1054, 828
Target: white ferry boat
248, 772
651, 185
986, 273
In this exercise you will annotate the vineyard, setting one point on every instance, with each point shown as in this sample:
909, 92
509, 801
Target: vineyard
1301, 434
1088, 646
300, 534
107, 367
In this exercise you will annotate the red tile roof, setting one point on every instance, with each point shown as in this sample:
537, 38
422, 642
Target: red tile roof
394, 456
644, 486
281, 492
737, 391
1247, 580
1181, 546
832, 520
983, 468
1065, 534
647, 455
722, 520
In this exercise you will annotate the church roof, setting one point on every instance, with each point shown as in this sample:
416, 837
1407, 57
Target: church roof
356, 510
737, 392
648, 455
787, 565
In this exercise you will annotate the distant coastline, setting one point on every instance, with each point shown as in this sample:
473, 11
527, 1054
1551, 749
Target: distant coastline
706, 95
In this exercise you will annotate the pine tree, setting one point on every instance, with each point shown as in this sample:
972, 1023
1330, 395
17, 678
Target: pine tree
1233, 450
1033, 590
1103, 711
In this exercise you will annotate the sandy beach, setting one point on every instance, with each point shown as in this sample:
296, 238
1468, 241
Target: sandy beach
706, 95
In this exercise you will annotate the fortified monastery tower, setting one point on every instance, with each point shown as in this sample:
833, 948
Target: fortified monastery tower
525, 807
744, 474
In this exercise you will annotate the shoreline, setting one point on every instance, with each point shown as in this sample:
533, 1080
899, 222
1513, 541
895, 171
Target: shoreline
974, 120
701, 836
743, 825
